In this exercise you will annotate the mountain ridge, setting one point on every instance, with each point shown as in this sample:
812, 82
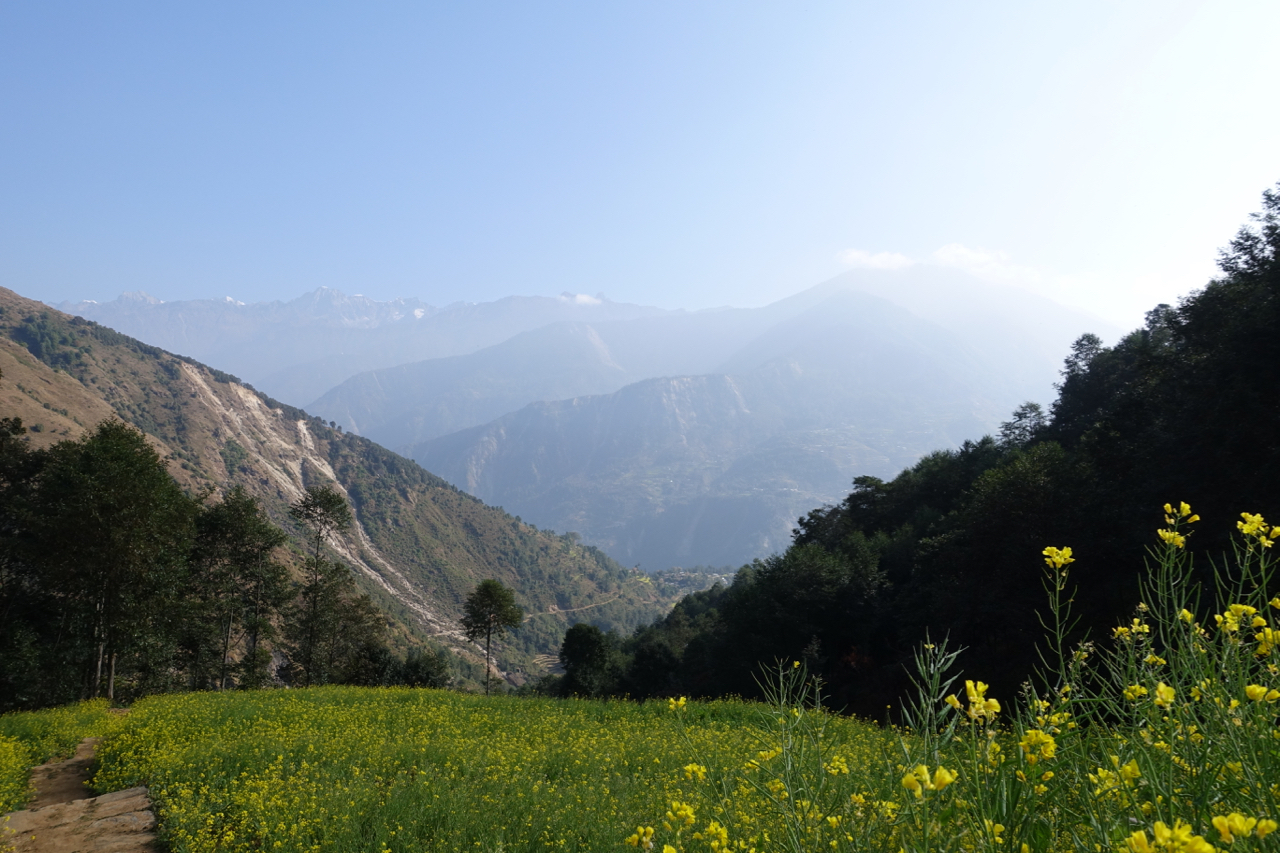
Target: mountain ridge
639, 470
297, 350
418, 546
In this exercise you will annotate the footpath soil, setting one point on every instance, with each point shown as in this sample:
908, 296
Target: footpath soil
63, 820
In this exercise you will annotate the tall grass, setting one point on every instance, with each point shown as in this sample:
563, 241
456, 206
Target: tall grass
1162, 736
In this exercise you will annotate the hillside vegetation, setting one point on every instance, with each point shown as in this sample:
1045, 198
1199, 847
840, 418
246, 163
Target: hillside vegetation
1185, 408
418, 546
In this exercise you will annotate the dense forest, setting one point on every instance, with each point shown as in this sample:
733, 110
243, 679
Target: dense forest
116, 582
1184, 409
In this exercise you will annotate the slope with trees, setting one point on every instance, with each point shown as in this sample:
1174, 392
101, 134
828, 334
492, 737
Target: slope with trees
417, 545
1183, 409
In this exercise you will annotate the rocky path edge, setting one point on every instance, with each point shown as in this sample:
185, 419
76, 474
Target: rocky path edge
62, 820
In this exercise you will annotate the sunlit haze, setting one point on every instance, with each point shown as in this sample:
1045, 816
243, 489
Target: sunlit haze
674, 154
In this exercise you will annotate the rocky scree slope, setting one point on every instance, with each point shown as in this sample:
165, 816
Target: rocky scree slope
419, 545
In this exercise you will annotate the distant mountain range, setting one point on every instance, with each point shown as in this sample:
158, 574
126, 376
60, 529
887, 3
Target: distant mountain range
297, 350
418, 546
714, 468
664, 437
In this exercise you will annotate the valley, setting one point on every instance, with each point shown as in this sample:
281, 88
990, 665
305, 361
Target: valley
665, 438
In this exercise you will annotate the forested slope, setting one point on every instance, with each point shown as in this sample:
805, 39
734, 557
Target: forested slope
419, 545
1184, 409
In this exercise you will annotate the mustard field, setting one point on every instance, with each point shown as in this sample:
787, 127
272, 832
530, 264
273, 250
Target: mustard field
403, 769
1162, 736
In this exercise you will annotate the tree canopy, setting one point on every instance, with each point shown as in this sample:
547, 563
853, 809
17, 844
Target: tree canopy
490, 610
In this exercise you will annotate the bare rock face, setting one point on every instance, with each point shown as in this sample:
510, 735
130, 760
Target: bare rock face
62, 820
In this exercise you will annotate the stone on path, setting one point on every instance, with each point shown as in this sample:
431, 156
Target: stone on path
62, 820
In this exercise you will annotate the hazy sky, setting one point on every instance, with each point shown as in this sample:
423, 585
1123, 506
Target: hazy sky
684, 154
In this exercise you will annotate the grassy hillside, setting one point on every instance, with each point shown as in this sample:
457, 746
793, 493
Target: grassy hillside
419, 545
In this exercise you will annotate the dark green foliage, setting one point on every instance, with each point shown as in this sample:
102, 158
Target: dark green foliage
422, 668
234, 592
592, 661
114, 581
1183, 409
50, 341
332, 632
111, 530
95, 540
233, 455
324, 511
490, 610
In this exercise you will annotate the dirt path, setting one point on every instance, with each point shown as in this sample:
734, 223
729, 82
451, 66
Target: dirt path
62, 819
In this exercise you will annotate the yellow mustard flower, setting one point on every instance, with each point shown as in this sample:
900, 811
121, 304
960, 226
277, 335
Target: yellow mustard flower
1258, 693
695, 771
1036, 745
642, 838
681, 814
837, 766
1268, 639
942, 777
1138, 843
1057, 558
1184, 511
1253, 524
1172, 537
1229, 826
1164, 695
918, 780
980, 707
716, 836
1134, 692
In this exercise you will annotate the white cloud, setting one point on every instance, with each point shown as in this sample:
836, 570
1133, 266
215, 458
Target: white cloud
877, 260
1106, 296
579, 298
987, 264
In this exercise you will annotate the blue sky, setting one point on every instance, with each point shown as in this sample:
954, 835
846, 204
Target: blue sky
671, 153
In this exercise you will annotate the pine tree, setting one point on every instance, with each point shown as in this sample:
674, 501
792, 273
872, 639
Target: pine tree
490, 610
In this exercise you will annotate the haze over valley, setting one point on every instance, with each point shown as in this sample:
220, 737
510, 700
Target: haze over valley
665, 437
688, 336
